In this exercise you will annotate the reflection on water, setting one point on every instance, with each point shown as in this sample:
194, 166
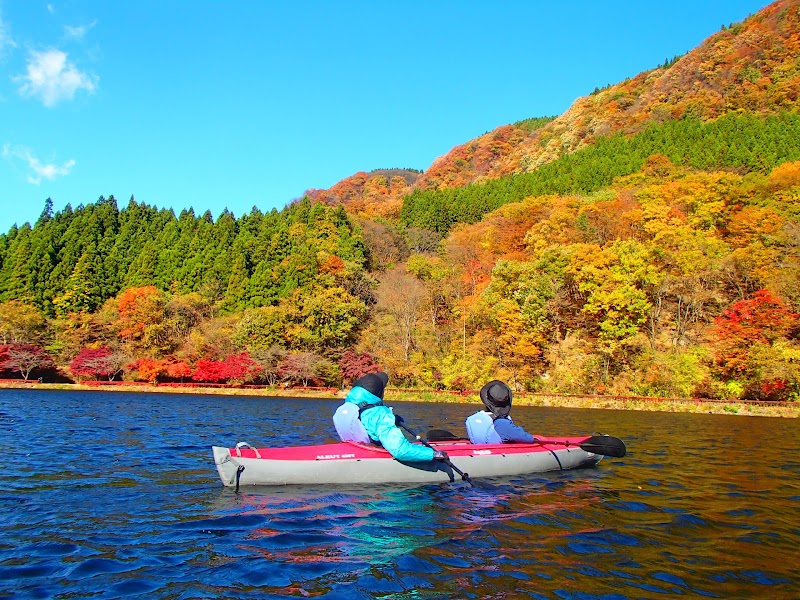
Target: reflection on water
116, 495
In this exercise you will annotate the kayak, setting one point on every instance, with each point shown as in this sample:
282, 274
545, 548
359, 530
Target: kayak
356, 463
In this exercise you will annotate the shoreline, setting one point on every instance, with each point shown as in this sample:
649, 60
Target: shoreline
683, 405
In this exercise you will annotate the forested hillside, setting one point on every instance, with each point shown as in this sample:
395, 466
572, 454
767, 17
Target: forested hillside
742, 143
645, 242
745, 68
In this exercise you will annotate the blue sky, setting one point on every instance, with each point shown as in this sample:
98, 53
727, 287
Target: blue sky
211, 104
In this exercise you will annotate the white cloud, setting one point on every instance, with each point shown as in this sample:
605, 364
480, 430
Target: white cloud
38, 171
52, 78
78, 31
5, 38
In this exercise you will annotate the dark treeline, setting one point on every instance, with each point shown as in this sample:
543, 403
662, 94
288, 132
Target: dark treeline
74, 260
740, 142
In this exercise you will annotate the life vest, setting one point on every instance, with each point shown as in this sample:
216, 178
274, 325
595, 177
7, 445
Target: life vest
480, 428
348, 425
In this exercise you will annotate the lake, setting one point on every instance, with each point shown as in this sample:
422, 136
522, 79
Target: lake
112, 495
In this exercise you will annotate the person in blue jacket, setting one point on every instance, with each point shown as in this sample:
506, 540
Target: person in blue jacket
364, 418
494, 425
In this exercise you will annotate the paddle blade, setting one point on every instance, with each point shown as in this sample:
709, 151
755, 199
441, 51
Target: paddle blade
441, 435
605, 445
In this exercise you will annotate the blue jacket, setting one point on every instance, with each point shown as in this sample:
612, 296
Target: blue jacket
379, 423
483, 430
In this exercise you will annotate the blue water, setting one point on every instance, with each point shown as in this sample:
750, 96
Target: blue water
112, 495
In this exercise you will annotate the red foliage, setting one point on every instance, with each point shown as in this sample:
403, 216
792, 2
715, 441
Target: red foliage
354, 365
762, 319
298, 367
236, 367
210, 371
178, 370
94, 363
3, 356
24, 359
774, 390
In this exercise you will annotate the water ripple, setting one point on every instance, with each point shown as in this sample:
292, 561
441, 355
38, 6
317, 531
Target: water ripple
118, 498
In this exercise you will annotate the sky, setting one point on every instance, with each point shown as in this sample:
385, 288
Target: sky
214, 105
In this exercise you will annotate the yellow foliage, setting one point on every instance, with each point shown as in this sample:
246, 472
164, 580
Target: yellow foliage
785, 175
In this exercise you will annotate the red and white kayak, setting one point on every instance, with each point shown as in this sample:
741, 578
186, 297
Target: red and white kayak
355, 463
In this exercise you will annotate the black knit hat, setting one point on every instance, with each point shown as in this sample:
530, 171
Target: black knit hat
496, 396
374, 383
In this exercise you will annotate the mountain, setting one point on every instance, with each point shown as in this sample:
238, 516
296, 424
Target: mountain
377, 193
749, 67
645, 242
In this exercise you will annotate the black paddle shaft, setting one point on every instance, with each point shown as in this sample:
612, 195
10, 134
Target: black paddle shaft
598, 444
464, 476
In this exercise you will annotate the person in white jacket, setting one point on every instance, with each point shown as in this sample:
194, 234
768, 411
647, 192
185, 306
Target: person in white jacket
494, 425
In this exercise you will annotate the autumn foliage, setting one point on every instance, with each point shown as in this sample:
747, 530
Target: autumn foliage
24, 359
235, 368
96, 363
751, 339
645, 242
762, 319
354, 365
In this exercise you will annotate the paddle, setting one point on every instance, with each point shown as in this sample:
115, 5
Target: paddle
464, 476
597, 444
442, 435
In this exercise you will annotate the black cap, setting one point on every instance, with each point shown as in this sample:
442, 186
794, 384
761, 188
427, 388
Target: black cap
374, 383
496, 396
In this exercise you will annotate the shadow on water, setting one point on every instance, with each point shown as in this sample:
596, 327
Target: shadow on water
115, 495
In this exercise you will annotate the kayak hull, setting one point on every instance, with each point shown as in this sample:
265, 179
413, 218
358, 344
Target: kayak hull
354, 463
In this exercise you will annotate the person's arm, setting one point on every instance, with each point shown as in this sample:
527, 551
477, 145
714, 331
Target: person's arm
380, 423
509, 432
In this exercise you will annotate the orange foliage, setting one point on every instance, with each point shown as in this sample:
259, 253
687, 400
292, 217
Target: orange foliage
785, 175
378, 193
148, 369
129, 299
178, 370
473, 160
658, 165
332, 265
753, 223
138, 307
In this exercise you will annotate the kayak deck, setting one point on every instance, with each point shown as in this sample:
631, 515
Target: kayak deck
355, 463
